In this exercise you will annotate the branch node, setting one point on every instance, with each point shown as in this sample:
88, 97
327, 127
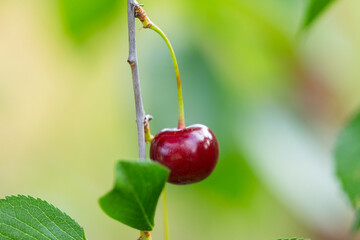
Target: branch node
148, 136
147, 119
131, 62
141, 15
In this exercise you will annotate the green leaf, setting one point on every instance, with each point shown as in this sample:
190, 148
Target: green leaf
347, 157
133, 200
315, 8
81, 18
26, 218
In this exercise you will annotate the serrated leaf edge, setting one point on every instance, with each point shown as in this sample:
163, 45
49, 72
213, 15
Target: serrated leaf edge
24, 197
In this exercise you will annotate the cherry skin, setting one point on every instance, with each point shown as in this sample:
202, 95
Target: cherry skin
190, 153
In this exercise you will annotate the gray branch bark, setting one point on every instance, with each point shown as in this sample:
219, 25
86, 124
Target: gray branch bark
132, 60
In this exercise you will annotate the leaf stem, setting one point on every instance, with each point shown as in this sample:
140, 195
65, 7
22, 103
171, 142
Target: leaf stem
165, 215
144, 235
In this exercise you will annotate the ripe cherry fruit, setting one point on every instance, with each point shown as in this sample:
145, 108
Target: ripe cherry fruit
190, 153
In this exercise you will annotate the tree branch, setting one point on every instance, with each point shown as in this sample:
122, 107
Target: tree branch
132, 60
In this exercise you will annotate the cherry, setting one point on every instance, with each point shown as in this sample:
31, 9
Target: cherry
190, 153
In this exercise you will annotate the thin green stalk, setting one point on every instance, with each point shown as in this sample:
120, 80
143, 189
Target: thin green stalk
181, 123
147, 23
165, 216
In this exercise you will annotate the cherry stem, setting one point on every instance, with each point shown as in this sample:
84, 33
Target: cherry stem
181, 123
147, 23
165, 215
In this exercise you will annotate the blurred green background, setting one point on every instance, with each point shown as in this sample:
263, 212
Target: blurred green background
274, 97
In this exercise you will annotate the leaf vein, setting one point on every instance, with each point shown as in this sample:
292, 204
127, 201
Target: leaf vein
40, 223
54, 223
17, 229
139, 202
23, 223
6, 236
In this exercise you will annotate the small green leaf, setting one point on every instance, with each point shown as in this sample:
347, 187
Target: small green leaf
28, 218
81, 18
133, 200
347, 157
315, 8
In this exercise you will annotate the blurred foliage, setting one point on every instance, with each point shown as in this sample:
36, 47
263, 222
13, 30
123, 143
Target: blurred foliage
258, 72
315, 8
232, 182
83, 18
347, 154
292, 239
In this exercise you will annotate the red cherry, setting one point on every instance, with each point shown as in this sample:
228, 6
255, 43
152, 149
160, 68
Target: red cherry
190, 153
